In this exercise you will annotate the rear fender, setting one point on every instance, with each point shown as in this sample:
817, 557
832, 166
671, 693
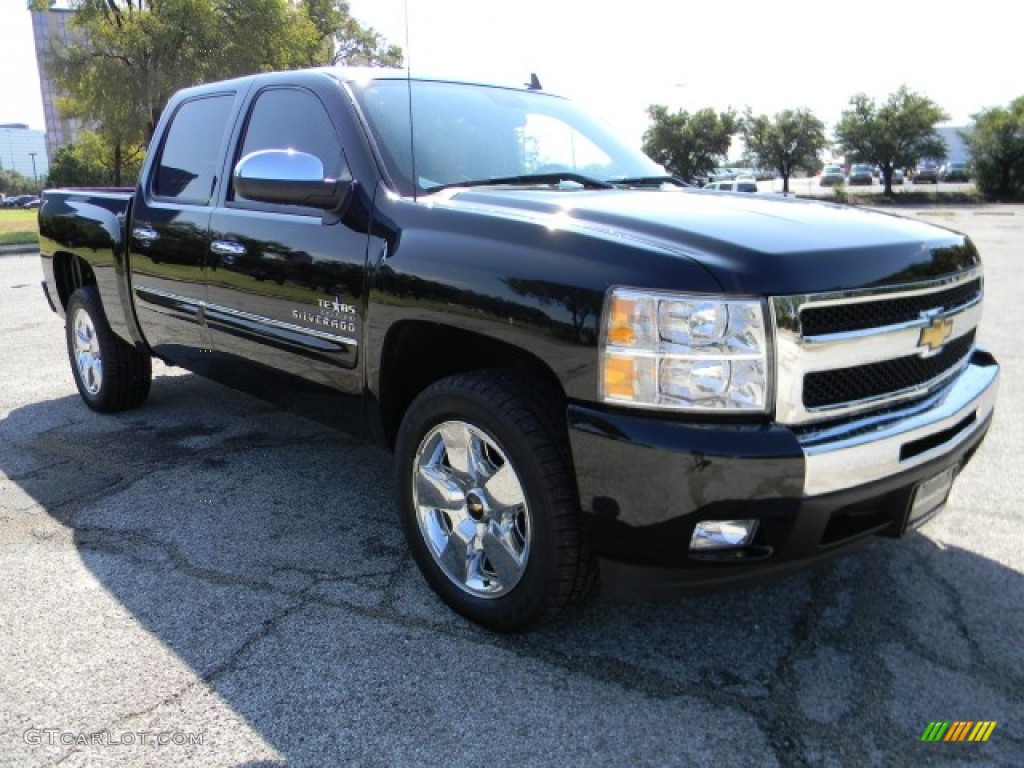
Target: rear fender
81, 242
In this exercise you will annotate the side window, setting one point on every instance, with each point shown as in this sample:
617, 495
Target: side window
191, 152
288, 118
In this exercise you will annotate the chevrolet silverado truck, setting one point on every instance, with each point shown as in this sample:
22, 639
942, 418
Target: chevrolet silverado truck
584, 368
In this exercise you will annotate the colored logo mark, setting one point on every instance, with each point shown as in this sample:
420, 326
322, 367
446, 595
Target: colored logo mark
958, 730
934, 335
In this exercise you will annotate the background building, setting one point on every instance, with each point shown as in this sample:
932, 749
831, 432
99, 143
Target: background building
23, 150
52, 30
956, 150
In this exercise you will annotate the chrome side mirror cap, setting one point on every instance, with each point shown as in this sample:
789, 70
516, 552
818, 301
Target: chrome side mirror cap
289, 177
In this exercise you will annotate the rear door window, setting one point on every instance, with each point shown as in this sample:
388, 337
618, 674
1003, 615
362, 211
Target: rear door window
191, 153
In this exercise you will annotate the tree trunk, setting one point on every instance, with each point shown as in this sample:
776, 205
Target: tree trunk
117, 163
785, 183
154, 118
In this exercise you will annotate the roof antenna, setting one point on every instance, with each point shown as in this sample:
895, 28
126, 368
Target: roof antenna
408, 86
534, 84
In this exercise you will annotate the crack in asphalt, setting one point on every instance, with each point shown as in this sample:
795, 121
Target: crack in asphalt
113, 724
268, 627
958, 612
108, 541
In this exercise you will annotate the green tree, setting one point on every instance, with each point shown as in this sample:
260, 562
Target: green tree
790, 140
92, 162
13, 183
343, 40
118, 137
895, 134
996, 140
688, 145
69, 169
127, 57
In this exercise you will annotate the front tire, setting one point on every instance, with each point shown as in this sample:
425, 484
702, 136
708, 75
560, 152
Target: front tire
111, 375
487, 503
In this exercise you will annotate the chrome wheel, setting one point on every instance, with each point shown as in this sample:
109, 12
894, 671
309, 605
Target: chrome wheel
471, 509
87, 355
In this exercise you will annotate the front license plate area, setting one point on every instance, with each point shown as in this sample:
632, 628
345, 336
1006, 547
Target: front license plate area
929, 497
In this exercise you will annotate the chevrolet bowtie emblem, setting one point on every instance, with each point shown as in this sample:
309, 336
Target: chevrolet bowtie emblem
934, 334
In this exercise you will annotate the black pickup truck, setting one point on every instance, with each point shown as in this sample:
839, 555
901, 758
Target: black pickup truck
582, 366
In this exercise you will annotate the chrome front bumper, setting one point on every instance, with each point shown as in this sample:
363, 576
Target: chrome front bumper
882, 446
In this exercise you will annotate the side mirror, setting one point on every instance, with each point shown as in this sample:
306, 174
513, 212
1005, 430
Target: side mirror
289, 177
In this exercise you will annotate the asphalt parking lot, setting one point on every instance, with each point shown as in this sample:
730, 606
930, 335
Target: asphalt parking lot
209, 581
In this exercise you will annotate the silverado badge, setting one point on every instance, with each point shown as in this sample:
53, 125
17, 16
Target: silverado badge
329, 314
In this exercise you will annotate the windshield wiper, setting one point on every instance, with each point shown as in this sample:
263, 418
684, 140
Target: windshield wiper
587, 182
648, 181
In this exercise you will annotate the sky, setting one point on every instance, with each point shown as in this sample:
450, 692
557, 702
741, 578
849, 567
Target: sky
617, 58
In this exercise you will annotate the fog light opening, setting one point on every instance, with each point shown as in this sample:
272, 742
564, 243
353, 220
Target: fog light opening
717, 535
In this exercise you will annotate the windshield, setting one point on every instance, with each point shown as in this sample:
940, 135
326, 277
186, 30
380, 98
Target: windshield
466, 133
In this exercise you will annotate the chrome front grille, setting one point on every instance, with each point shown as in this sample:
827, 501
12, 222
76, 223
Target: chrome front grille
863, 382
841, 354
840, 318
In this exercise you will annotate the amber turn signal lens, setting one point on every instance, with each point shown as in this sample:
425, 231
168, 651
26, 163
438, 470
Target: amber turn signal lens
619, 377
620, 322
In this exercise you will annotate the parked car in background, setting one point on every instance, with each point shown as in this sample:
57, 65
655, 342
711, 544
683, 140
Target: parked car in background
31, 202
734, 185
17, 201
860, 174
927, 172
721, 174
897, 175
956, 172
832, 176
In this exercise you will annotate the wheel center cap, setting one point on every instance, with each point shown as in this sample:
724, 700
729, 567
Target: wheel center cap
475, 505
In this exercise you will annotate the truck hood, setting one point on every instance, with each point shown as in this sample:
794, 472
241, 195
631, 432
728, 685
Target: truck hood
751, 243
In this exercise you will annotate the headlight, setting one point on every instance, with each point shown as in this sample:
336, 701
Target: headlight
674, 351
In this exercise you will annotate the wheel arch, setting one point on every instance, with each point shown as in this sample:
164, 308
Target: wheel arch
70, 272
415, 354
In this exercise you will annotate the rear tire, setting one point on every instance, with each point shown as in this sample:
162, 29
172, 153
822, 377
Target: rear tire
111, 375
487, 501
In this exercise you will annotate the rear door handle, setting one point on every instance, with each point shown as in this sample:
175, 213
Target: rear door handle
227, 248
145, 234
